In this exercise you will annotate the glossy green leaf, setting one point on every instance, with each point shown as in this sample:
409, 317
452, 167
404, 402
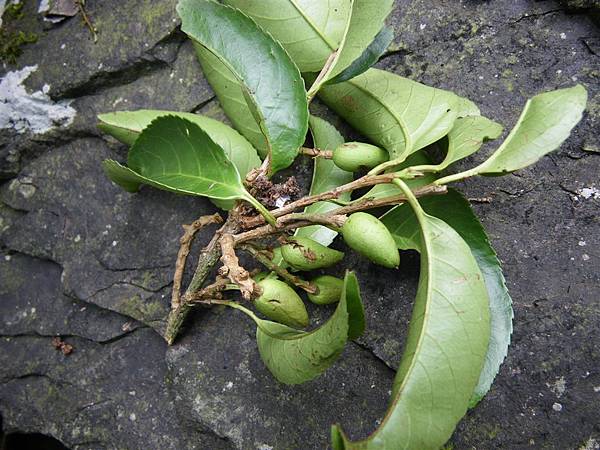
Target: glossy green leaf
370, 56
396, 113
445, 349
544, 124
309, 30
126, 126
326, 176
175, 154
269, 81
294, 356
456, 211
364, 23
231, 98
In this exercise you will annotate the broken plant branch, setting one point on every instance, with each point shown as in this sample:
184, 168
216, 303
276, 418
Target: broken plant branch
232, 269
184, 250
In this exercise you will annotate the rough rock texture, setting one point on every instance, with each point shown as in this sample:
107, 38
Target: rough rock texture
84, 260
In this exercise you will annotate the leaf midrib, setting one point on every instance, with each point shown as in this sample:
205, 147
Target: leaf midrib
308, 20
403, 127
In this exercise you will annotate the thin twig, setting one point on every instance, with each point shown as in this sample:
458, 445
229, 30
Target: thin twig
366, 181
184, 250
371, 203
297, 221
334, 218
86, 19
210, 291
262, 258
316, 152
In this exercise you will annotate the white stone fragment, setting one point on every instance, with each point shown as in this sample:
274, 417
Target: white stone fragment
23, 111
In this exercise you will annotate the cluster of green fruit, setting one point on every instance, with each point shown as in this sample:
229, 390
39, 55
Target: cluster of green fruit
361, 231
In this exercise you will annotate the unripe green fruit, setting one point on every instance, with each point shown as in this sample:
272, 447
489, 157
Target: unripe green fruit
330, 290
280, 303
306, 254
369, 236
353, 156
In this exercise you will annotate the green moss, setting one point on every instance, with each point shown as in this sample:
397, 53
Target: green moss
12, 40
141, 310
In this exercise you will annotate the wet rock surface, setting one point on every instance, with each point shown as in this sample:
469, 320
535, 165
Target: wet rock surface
84, 260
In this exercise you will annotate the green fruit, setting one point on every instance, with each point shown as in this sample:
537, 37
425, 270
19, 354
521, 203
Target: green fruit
330, 290
306, 254
369, 236
353, 156
280, 303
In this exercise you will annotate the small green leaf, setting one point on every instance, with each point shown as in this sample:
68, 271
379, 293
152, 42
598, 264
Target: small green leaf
545, 123
456, 211
445, 349
364, 23
271, 85
326, 176
396, 113
126, 126
369, 57
294, 356
309, 30
175, 154
467, 136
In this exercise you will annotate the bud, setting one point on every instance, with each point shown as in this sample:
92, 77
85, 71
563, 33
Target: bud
369, 236
306, 254
329, 290
279, 302
353, 156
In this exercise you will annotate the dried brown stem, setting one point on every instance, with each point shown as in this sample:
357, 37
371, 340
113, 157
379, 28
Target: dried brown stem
316, 153
86, 19
366, 181
264, 259
210, 291
370, 203
184, 250
232, 269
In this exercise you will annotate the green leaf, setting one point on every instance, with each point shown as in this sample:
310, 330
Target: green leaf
456, 211
396, 113
309, 30
269, 81
545, 123
364, 23
445, 349
369, 57
175, 154
126, 126
467, 136
326, 176
294, 356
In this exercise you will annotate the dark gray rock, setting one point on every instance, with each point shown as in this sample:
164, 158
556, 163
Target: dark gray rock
77, 241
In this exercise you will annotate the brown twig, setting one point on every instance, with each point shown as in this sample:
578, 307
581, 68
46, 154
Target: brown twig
207, 260
231, 268
290, 222
371, 203
366, 181
316, 152
210, 291
86, 19
184, 250
264, 259
335, 218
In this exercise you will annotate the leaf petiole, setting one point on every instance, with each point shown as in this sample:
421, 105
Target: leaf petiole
269, 218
